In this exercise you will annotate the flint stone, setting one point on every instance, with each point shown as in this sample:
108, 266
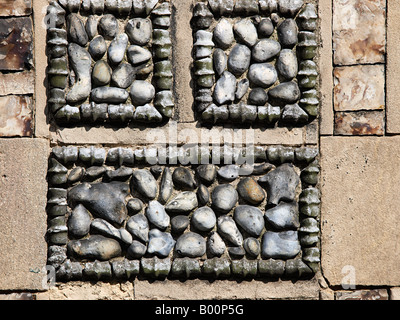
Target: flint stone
183, 178
117, 49
252, 246
223, 34
79, 222
294, 114
97, 47
143, 182
225, 88
265, 28
184, 202
138, 55
142, 92
104, 200
107, 229
221, 7
250, 218
108, 26
204, 219
281, 184
203, 195
286, 92
280, 245
290, 7
250, 191
229, 172
227, 229
239, 59
138, 226
286, 64
224, 198
139, 31
265, 49
166, 186
207, 173
123, 75
101, 74
246, 32
91, 26
241, 88
81, 64
76, 174
191, 245
220, 61
109, 95
258, 97
215, 245
288, 33
179, 223
284, 216
160, 243
96, 247
157, 215
76, 30
136, 250
263, 75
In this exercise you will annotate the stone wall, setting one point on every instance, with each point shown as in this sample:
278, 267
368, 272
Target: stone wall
59, 140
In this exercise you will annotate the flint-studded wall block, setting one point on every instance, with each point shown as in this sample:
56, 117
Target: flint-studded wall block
254, 62
118, 213
109, 62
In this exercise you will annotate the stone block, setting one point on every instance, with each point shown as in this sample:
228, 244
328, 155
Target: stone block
15, 8
359, 28
16, 116
360, 123
16, 43
17, 83
378, 294
359, 219
359, 88
23, 189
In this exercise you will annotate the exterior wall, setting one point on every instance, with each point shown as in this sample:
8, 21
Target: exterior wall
356, 132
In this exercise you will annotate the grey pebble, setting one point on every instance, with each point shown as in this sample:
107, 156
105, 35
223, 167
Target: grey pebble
138, 226
294, 114
280, 245
142, 92
136, 250
203, 195
76, 174
229, 172
290, 7
179, 223
286, 64
250, 218
157, 215
252, 246
123, 75
263, 75
107, 229
265, 28
101, 73
111, 95
284, 216
135, 205
120, 174
143, 182
117, 48
207, 173
166, 186
228, 230
220, 61
160, 243
183, 203
236, 252
97, 47
215, 245
76, 30
139, 31
108, 26
191, 244
265, 49
204, 219
225, 88
288, 33
183, 179
138, 55
258, 97
223, 34
241, 88
91, 26
239, 59
95, 247
246, 32
286, 92
224, 198
79, 222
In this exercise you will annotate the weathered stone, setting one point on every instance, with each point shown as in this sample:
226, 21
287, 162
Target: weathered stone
207, 173
143, 182
101, 74
79, 222
91, 26
363, 40
223, 34
186, 267
18, 8
287, 64
257, 97
108, 26
229, 172
377, 294
160, 243
183, 179
288, 33
265, 28
217, 268
107, 229
265, 49
76, 30
147, 113
139, 31
359, 88
246, 7
293, 114
138, 226
95, 247
142, 92
224, 198
136, 250
184, 203
179, 223
250, 219
250, 191
252, 246
290, 7
246, 32
155, 267
239, 59
280, 245
97, 47
16, 116
19, 83
284, 216
221, 7
215, 245
202, 16
281, 184
241, 88
262, 74
227, 229
225, 88
157, 215
360, 123
117, 48
138, 55
204, 219
191, 245
286, 92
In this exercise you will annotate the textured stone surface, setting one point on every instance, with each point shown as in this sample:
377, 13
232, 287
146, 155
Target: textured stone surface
360, 123
16, 47
352, 221
378, 294
359, 31
17, 83
16, 116
23, 223
359, 88
15, 8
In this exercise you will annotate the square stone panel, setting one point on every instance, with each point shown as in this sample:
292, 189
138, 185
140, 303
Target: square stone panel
157, 213
359, 31
16, 116
254, 62
109, 63
359, 88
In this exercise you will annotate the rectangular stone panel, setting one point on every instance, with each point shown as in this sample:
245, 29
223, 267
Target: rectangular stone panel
109, 63
360, 123
359, 31
359, 219
17, 83
359, 88
254, 63
23, 188
16, 116
219, 213
16, 43
15, 8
